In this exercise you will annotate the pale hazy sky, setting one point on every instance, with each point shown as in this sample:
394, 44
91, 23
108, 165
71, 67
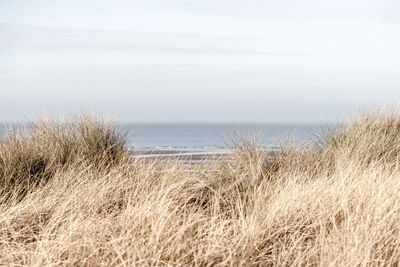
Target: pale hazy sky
199, 60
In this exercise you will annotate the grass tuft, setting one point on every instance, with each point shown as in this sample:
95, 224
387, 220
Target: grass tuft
32, 155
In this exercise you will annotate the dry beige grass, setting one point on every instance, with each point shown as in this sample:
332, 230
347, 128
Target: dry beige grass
90, 204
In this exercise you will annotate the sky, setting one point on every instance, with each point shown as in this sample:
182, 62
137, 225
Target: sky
199, 60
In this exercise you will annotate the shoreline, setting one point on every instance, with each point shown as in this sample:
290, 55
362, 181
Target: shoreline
182, 156
186, 156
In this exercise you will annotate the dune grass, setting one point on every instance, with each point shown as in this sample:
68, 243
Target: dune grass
72, 195
30, 156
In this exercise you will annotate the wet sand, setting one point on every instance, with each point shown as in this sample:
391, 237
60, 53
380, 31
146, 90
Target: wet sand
179, 156
185, 156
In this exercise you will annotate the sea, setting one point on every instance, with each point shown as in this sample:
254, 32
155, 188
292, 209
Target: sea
213, 137
217, 137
